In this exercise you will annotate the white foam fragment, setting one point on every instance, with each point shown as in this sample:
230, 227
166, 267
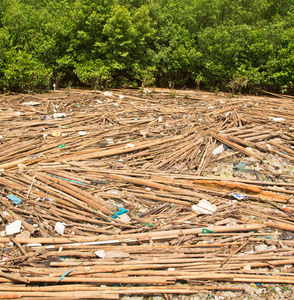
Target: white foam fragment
107, 94
13, 227
59, 228
218, 150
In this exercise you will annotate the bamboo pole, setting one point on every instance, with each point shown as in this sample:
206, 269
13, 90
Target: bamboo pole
234, 145
138, 236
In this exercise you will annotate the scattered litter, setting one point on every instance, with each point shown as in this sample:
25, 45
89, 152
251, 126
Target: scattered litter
124, 218
107, 94
114, 191
239, 197
14, 199
277, 119
31, 103
56, 134
82, 133
204, 207
218, 150
59, 115
59, 228
63, 276
13, 228
130, 146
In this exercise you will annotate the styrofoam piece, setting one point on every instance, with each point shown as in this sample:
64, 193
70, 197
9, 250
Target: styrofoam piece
277, 119
218, 150
59, 115
130, 146
13, 227
204, 207
59, 228
82, 133
108, 94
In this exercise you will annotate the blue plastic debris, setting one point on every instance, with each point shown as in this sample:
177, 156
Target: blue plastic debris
62, 276
70, 180
238, 196
206, 231
14, 199
119, 212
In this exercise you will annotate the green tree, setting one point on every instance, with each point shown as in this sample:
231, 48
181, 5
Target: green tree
22, 70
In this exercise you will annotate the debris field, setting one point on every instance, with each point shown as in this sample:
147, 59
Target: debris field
145, 192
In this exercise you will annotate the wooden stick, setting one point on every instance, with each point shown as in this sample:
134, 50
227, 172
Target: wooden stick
138, 236
234, 145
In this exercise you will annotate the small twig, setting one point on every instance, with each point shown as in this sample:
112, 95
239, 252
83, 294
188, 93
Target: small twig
31, 185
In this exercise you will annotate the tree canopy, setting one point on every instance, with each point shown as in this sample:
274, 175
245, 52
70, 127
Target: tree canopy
232, 45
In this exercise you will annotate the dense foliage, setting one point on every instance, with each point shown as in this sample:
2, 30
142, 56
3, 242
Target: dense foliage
222, 44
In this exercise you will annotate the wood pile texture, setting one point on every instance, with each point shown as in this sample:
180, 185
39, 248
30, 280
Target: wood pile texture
101, 188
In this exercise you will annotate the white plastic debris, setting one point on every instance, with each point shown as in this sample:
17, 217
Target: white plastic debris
98, 101
171, 269
1, 136
34, 245
108, 94
100, 253
218, 150
124, 218
31, 103
204, 207
130, 146
121, 97
13, 227
82, 133
144, 133
59, 115
160, 119
59, 227
114, 192
147, 91
276, 119
261, 247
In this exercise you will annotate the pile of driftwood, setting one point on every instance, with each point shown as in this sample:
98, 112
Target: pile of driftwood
100, 193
